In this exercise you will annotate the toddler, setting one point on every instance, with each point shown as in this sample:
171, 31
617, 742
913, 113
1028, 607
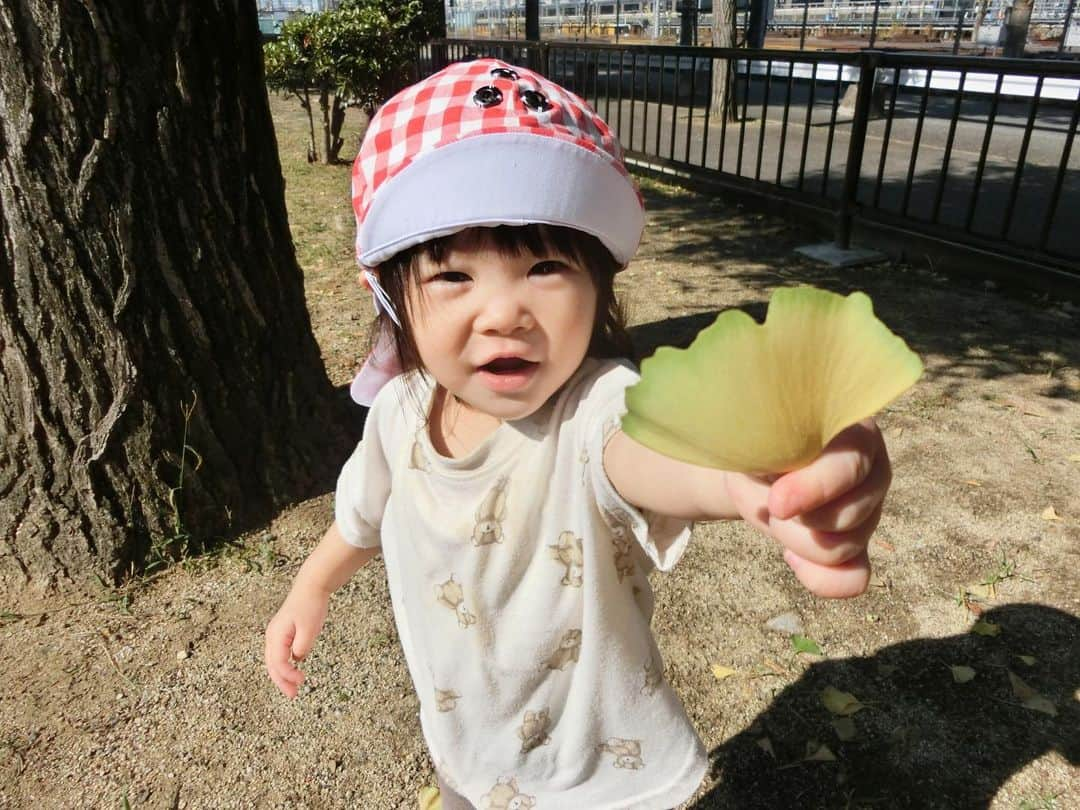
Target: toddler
517, 523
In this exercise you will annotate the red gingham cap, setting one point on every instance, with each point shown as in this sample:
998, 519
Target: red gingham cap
485, 143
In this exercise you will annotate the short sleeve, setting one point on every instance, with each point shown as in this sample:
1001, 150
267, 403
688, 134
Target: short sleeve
363, 486
663, 538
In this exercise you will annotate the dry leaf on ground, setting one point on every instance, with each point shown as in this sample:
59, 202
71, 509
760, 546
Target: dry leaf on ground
818, 753
1049, 514
962, 674
844, 727
844, 704
1029, 698
720, 672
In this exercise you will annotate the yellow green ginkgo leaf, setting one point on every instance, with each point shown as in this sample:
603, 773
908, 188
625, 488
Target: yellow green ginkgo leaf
767, 398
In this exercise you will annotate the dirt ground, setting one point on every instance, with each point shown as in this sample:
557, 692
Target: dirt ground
156, 697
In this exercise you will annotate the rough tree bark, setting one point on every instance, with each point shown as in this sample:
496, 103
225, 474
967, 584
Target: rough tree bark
1016, 30
723, 83
148, 290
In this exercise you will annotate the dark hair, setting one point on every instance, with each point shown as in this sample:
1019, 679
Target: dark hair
609, 338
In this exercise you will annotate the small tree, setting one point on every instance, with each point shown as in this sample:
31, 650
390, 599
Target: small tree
358, 55
723, 36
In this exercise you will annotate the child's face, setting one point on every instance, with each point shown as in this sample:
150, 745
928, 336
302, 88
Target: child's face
501, 334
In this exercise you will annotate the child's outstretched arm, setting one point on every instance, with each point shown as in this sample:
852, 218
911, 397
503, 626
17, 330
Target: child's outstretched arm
823, 514
292, 632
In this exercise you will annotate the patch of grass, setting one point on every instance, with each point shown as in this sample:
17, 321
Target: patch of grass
1006, 569
317, 195
1047, 802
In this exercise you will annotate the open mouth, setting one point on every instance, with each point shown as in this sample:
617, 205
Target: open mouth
508, 365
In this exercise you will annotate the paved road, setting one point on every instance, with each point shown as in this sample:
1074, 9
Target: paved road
773, 153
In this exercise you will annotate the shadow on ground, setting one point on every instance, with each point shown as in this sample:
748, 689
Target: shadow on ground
923, 740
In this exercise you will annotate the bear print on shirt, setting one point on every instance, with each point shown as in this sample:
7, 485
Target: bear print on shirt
489, 516
568, 551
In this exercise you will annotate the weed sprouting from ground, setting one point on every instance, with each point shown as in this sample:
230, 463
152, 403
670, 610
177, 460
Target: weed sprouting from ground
176, 545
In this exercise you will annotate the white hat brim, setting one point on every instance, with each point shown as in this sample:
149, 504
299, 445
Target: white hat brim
513, 178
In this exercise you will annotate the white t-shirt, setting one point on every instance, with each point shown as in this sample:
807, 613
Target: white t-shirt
518, 581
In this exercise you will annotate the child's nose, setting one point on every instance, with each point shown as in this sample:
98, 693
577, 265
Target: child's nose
505, 312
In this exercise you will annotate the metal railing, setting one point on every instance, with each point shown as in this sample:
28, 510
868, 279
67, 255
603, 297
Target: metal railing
971, 150
880, 20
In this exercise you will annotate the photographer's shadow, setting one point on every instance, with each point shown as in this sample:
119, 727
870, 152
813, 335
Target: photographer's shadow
923, 740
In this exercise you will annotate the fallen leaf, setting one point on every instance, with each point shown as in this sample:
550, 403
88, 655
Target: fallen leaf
974, 483
962, 674
1050, 514
720, 672
982, 590
1027, 659
1030, 699
844, 704
818, 753
844, 727
802, 644
985, 628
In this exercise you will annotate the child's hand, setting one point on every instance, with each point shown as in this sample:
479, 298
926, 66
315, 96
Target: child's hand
824, 513
292, 632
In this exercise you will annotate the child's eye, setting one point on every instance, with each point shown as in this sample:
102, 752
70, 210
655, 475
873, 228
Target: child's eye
548, 268
450, 276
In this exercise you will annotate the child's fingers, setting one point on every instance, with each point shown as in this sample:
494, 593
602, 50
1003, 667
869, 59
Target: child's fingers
286, 684
824, 548
751, 496
832, 582
843, 465
854, 508
282, 671
303, 641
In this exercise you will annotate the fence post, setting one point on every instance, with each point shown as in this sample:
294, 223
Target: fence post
868, 64
1065, 25
439, 57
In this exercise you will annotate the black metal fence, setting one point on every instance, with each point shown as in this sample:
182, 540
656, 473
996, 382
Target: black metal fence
970, 150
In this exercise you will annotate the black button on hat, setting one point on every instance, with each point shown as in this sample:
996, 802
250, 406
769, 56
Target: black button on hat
487, 96
504, 73
535, 100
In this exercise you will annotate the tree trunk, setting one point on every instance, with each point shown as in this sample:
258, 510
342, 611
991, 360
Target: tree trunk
1016, 30
159, 382
305, 102
723, 84
324, 110
980, 15
337, 121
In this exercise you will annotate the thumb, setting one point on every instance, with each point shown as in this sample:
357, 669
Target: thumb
303, 641
842, 581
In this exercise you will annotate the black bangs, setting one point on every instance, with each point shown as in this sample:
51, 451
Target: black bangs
524, 240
